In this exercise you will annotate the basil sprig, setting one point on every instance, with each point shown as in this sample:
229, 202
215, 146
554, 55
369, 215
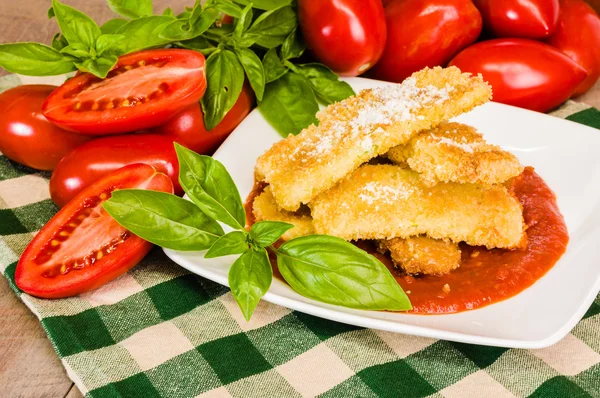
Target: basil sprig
262, 45
320, 267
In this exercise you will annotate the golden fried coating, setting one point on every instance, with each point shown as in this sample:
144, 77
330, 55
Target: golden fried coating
422, 255
386, 201
454, 152
362, 127
265, 208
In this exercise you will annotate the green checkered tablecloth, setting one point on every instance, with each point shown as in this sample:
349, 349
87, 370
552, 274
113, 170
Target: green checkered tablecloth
161, 331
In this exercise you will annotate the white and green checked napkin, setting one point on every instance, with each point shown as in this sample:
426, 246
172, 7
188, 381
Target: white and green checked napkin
161, 331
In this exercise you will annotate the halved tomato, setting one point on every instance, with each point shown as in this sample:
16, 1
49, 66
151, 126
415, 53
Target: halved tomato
82, 247
143, 90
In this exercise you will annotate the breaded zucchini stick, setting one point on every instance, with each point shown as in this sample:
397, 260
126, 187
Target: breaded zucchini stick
386, 201
266, 209
454, 152
422, 255
362, 127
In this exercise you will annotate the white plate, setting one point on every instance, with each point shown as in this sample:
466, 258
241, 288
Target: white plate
565, 154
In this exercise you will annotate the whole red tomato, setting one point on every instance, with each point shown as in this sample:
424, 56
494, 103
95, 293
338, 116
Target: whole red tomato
346, 35
523, 72
425, 33
143, 90
92, 161
577, 34
26, 136
532, 19
188, 128
82, 247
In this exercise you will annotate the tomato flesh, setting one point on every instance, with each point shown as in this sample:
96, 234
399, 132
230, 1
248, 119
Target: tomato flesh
188, 129
143, 90
93, 160
82, 247
26, 136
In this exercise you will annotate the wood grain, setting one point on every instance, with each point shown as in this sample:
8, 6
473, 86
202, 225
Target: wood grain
29, 367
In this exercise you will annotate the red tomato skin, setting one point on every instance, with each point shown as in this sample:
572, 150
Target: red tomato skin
346, 35
531, 19
29, 274
577, 34
522, 72
144, 89
425, 34
98, 158
26, 136
187, 128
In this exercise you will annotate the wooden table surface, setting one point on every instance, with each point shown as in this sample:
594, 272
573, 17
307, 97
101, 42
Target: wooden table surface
29, 366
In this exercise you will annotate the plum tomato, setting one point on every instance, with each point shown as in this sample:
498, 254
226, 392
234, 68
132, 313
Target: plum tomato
346, 35
577, 34
143, 90
523, 72
187, 128
425, 33
95, 159
532, 19
82, 247
26, 136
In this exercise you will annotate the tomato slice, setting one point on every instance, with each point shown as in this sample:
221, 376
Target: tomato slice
82, 247
143, 90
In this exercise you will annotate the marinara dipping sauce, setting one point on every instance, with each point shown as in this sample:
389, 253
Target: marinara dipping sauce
487, 276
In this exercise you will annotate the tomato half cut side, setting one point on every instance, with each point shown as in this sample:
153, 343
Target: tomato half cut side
82, 247
143, 90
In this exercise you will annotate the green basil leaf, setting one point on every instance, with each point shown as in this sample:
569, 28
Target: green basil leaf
199, 44
112, 26
163, 219
142, 33
59, 42
211, 188
250, 277
131, 8
75, 26
289, 104
273, 66
334, 271
265, 4
225, 78
254, 70
293, 46
233, 243
265, 233
326, 84
168, 12
219, 33
271, 28
242, 23
99, 66
107, 42
193, 27
34, 59
227, 7
51, 13
77, 50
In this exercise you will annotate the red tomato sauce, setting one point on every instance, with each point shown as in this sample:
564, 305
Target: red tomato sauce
486, 276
